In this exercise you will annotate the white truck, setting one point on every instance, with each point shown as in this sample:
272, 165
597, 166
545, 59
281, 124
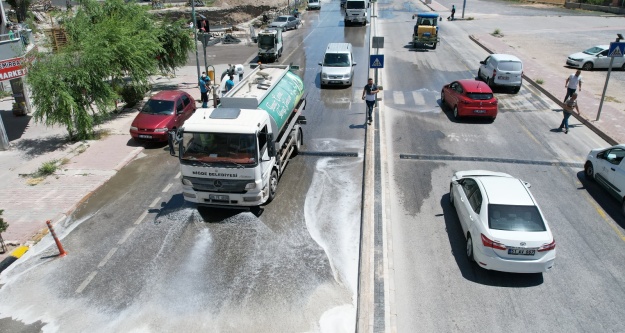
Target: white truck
269, 45
356, 11
232, 156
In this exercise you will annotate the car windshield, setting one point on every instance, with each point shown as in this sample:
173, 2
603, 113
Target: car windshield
265, 41
336, 60
510, 66
593, 50
219, 148
480, 96
155, 106
281, 19
515, 218
355, 5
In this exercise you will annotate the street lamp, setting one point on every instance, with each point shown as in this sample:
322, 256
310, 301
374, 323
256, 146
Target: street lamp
619, 37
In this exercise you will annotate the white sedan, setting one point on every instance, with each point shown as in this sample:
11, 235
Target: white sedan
594, 57
606, 166
504, 228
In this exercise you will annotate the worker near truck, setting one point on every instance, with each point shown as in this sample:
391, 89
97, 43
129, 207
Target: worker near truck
204, 84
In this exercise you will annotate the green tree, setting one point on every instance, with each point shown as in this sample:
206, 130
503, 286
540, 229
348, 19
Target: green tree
110, 44
20, 7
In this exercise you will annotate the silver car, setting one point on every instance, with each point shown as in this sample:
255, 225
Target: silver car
594, 57
285, 22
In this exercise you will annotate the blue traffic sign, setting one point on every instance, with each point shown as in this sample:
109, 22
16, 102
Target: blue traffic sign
616, 49
376, 61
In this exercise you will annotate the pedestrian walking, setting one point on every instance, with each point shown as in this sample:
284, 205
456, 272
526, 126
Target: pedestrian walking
572, 82
240, 70
569, 105
204, 84
230, 82
369, 95
453, 12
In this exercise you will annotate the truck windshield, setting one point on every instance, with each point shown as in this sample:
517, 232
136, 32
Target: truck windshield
265, 41
336, 60
219, 148
355, 5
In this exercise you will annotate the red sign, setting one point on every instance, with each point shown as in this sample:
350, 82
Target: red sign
12, 68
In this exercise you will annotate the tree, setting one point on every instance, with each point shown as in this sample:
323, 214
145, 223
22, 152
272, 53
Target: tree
109, 44
21, 8
3, 228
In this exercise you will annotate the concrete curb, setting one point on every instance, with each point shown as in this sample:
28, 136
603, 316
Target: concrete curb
583, 120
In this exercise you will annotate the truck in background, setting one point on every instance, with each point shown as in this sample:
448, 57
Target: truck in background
269, 45
356, 11
425, 30
233, 156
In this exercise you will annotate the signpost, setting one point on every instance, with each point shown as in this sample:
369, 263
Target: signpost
616, 50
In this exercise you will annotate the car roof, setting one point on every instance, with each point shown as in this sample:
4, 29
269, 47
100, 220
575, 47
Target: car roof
339, 48
505, 190
430, 15
475, 86
505, 57
168, 95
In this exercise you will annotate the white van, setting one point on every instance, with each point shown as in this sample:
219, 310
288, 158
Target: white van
356, 11
502, 70
338, 64
314, 4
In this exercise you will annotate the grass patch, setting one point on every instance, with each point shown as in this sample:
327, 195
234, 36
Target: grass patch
47, 168
470, 18
611, 99
497, 33
540, 81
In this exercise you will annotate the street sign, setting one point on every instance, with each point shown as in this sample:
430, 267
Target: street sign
376, 61
377, 42
616, 49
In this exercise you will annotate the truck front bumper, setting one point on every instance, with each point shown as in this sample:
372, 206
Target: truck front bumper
249, 199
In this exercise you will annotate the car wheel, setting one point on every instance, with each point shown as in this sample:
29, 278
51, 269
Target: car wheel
489, 82
451, 194
516, 90
479, 74
456, 114
442, 100
470, 248
588, 66
492, 119
623, 67
589, 171
273, 185
623, 207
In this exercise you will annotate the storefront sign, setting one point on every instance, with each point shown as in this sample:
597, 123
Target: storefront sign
11, 69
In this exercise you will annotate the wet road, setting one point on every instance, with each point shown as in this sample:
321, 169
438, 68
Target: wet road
141, 259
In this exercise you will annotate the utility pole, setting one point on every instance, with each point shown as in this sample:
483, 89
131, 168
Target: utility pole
607, 78
197, 57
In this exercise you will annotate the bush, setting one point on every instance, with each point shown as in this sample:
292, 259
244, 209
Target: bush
131, 94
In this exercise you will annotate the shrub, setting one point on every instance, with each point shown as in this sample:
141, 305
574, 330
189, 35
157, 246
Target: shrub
131, 94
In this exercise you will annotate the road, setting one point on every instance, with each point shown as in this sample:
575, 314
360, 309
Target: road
141, 259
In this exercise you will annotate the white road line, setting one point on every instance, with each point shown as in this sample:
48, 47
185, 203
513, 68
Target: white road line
168, 187
128, 232
84, 284
177, 175
141, 217
418, 98
398, 98
108, 256
155, 201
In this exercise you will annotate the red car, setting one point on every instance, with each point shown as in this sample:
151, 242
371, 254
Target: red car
469, 98
163, 112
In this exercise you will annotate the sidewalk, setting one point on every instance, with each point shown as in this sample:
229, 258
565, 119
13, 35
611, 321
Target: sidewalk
85, 166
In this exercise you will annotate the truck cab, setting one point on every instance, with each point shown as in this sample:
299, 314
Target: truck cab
425, 31
269, 45
356, 11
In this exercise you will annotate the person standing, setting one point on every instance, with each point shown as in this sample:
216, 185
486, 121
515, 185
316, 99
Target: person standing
369, 95
572, 82
230, 82
569, 105
204, 84
453, 11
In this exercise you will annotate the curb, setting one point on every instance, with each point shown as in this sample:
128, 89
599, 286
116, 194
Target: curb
583, 120
15, 254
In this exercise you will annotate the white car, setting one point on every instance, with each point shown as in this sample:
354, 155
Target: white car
594, 57
504, 228
606, 166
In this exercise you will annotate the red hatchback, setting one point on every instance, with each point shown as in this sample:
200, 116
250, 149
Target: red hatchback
163, 112
469, 98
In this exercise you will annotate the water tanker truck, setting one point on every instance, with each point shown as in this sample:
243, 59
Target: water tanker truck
233, 155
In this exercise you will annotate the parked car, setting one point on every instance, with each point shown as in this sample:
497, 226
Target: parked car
314, 4
503, 226
469, 98
502, 70
285, 22
166, 111
594, 57
606, 166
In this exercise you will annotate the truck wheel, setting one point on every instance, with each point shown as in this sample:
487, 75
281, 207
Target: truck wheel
434, 46
273, 185
298, 143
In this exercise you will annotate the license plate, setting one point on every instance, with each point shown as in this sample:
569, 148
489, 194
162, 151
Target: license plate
142, 136
219, 197
335, 82
503, 78
525, 252
479, 111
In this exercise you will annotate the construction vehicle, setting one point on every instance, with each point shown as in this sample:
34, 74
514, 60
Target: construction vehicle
269, 45
233, 156
425, 30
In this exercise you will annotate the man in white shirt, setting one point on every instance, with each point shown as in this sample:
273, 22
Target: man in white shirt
572, 82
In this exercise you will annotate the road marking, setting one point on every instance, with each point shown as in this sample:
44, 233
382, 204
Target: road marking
128, 232
141, 217
168, 187
604, 216
84, 284
177, 175
423, 157
107, 257
418, 98
398, 98
155, 202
